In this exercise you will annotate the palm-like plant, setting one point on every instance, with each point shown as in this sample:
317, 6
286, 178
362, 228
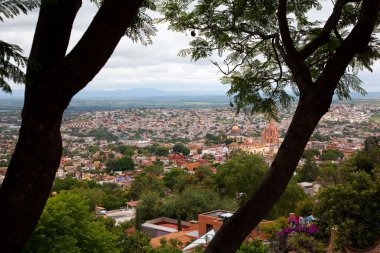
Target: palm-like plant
12, 62
12, 8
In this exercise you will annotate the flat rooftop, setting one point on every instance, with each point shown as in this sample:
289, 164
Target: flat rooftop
170, 225
158, 227
219, 213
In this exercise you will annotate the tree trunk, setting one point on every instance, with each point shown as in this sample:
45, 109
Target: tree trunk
314, 102
38, 151
30, 173
310, 110
49, 89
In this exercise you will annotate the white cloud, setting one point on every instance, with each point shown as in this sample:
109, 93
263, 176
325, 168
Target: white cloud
134, 65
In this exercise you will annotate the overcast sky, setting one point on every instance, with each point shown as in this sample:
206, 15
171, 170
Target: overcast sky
135, 66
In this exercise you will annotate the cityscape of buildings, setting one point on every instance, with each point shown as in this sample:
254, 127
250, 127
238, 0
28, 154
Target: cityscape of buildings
211, 136
344, 128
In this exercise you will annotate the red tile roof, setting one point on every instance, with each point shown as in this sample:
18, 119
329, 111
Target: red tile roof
133, 203
179, 236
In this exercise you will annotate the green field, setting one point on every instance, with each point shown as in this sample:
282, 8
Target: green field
375, 119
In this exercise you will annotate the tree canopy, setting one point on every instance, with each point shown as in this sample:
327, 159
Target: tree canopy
145, 182
310, 153
239, 178
351, 204
120, 164
331, 155
48, 91
185, 205
179, 148
308, 172
67, 225
242, 38
12, 61
255, 246
263, 47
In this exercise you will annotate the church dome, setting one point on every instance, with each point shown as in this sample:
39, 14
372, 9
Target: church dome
235, 130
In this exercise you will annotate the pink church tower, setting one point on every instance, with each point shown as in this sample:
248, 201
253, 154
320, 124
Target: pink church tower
270, 134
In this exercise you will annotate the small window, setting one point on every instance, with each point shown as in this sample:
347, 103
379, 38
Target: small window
209, 227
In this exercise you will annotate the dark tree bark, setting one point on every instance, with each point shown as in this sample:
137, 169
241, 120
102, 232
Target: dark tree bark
315, 100
48, 92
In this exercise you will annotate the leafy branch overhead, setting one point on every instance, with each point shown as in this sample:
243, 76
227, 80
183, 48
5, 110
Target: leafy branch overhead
11, 59
11, 62
12, 8
142, 28
48, 92
242, 38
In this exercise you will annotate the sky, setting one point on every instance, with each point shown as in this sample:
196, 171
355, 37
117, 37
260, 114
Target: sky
133, 65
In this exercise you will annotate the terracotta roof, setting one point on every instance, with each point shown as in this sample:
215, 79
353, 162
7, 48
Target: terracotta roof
176, 156
180, 163
179, 236
130, 231
133, 203
203, 161
192, 166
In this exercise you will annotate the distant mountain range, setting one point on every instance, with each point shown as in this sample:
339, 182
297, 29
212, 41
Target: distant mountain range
369, 96
146, 92
88, 94
130, 93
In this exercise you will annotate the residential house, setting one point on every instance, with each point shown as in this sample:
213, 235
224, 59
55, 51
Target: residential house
163, 226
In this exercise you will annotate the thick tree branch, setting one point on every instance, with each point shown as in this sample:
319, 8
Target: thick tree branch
324, 35
53, 32
355, 41
32, 168
292, 58
21, 195
337, 34
277, 60
50, 43
285, 33
95, 47
234, 230
313, 104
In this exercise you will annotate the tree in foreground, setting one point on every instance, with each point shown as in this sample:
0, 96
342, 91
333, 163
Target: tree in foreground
239, 177
308, 172
351, 204
48, 91
145, 182
266, 46
255, 246
185, 205
67, 225
285, 238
